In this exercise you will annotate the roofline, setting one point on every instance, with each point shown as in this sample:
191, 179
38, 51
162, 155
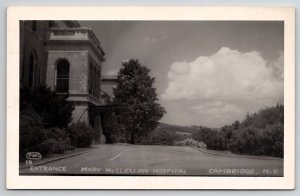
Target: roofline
71, 23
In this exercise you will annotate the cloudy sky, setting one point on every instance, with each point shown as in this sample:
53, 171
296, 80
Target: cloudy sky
208, 73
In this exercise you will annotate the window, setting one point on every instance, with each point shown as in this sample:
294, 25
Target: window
40, 75
94, 81
62, 76
34, 25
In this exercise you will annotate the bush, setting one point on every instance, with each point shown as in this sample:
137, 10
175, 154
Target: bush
246, 140
47, 146
180, 137
44, 115
31, 131
54, 109
82, 135
159, 137
213, 139
190, 142
273, 140
260, 133
59, 147
35, 138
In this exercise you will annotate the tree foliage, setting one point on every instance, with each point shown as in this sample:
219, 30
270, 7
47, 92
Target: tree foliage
34, 137
159, 137
135, 90
81, 134
44, 117
54, 109
260, 133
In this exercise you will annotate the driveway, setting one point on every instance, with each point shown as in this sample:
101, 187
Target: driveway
156, 160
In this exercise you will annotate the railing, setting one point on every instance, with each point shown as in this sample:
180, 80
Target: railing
74, 34
69, 34
64, 33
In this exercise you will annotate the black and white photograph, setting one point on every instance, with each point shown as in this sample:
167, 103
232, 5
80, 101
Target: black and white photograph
152, 98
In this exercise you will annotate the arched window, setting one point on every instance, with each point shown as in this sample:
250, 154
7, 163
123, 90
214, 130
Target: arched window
62, 76
32, 65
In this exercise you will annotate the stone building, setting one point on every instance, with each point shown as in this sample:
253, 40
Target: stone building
68, 58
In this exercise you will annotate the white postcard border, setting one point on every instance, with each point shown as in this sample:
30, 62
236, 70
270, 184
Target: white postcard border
14, 14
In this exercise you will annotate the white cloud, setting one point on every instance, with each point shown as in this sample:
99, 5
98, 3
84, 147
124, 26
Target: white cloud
150, 39
223, 87
226, 75
277, 66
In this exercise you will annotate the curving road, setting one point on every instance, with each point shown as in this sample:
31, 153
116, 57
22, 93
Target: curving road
156, 160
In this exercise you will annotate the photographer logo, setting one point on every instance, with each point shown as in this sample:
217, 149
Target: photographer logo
33, 155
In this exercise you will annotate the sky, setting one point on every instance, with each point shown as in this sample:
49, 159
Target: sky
208, 73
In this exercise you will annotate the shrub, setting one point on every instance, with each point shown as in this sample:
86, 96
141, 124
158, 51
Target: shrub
47, 146
54, 109
247, 141
190, 142
82, 135
31, 131
159, 137
260, 133
179, 137
59, 147
41, 112
273, 140
35, 138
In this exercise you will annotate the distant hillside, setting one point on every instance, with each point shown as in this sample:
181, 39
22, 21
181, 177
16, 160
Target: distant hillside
172, 129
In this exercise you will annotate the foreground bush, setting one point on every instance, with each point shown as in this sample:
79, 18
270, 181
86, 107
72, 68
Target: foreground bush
81, 135
54, 109
35, 138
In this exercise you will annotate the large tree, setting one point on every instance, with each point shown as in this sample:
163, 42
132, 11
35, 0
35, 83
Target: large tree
135, 90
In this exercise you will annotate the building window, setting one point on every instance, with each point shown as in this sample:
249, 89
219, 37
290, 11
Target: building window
32, 64
40, 76
34, 25
62, 76
94, 81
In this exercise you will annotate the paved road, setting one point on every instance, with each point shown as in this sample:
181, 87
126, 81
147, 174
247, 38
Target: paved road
156, 160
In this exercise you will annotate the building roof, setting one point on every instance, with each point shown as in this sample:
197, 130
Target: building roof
109, 78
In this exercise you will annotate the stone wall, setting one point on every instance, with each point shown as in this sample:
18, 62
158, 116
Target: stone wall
33, 42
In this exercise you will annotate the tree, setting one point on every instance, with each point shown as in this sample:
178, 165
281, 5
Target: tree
135, 90
54, 109
160, 137
273, 139
44, 117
